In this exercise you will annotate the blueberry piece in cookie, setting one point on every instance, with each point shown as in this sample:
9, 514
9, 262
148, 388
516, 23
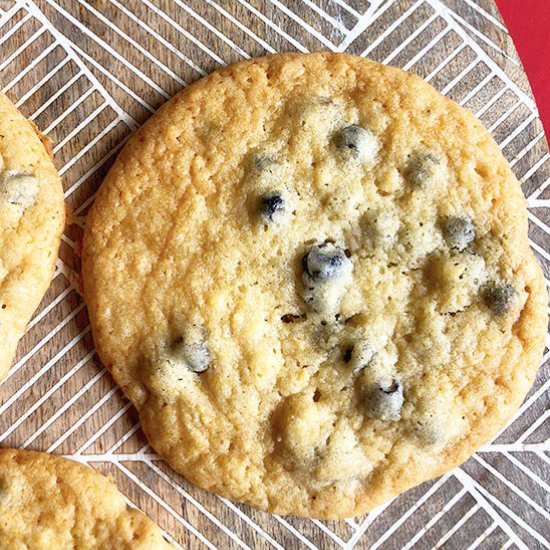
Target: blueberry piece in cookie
421, 169
385, 403
172, 368
273, 207
18, 192
498, 297
357, 142
459, 232
358, 355
194, 355
347, 354
324, 262
326, 274
18, 189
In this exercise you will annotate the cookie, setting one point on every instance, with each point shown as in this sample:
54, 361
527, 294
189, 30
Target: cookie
32, 217
48, 502
311, 276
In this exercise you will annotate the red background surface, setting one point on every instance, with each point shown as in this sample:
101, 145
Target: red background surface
529, 24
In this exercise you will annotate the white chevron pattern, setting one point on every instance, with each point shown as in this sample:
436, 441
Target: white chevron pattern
88, 73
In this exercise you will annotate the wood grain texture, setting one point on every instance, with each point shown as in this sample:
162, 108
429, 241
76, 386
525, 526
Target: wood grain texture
89, 72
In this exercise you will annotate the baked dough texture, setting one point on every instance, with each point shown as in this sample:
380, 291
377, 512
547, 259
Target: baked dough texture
311, 276
51, 503
32, 218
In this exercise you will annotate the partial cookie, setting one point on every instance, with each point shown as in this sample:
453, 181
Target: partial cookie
32, 217
48, 502
311, 275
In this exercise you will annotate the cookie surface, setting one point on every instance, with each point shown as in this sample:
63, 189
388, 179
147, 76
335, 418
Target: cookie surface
311, 276
32, 217
48, 502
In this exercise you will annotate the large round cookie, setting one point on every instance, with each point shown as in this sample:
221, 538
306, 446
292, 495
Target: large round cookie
311, 276
48, 502
32, 217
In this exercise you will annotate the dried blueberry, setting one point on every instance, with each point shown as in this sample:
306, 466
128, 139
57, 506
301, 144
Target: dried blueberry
459, 232
195, 355
326, 274
18, 188
324, 262
385, 403
359, 355
498, 297
421, 169
272, 206
347, 354
357, 141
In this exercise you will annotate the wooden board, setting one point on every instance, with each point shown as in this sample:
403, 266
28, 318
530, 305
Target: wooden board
89, 72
